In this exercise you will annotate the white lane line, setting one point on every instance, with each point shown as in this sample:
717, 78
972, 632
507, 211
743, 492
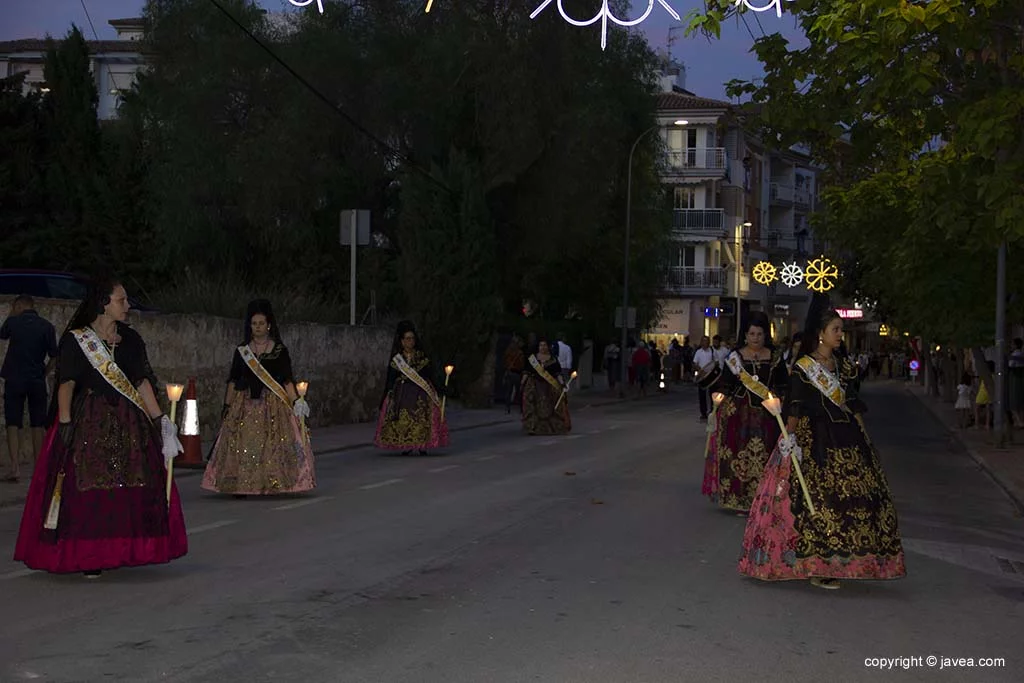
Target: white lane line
387, 482
487, 457
575, 436
549, 442
594, 431
304, 503
17, 573
208, 527
443, 469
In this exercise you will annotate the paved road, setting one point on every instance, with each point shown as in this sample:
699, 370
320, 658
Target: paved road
591, 558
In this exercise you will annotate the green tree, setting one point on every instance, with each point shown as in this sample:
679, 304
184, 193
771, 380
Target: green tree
878, 84
22, 201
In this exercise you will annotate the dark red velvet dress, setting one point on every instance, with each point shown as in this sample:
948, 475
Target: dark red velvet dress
113, 510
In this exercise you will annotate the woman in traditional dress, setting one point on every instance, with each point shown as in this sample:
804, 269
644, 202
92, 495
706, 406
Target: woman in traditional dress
853, 532
543, 413
98, 498
410, 411
746, 432
262, 448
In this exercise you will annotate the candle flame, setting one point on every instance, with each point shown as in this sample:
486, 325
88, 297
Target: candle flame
302, 388
174, 392
448, 369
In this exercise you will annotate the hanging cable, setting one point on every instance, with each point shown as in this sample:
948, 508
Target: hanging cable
96, 36
388, 149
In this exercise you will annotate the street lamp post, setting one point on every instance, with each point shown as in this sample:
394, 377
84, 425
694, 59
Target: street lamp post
625, 262
739, 256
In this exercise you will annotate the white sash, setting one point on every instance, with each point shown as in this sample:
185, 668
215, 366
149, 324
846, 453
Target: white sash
416, 378
824, 381
101, 360
261, 372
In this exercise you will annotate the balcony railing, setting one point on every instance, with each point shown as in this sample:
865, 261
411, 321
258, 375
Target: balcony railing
684, 278
801, 197
781, 193
697, 159
698, 220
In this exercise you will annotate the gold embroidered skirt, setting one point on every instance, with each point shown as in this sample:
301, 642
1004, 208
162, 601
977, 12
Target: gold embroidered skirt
260, 450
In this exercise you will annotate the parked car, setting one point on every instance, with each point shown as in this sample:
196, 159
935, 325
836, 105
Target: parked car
50, 284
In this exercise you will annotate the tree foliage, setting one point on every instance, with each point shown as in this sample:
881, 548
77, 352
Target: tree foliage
917, 109
490, 148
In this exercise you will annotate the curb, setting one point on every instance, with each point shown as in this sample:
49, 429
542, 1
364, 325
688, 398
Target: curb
1015, 496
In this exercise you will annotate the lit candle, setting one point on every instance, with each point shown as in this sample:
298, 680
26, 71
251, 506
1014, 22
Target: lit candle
302, 388
173, 395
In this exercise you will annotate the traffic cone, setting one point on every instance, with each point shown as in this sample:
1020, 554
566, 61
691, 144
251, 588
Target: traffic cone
190, 441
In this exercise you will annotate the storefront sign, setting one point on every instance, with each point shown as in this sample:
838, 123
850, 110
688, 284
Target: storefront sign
850, 313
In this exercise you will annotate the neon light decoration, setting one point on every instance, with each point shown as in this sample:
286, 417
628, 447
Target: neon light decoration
604, 15
777, 4
821, 275
792, 274
764, 273
319, 4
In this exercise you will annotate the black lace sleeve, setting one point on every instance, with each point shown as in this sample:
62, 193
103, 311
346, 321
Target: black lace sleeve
778, 382
72, 365
284, 374
134, 360
850, 379
795, 403
238, 369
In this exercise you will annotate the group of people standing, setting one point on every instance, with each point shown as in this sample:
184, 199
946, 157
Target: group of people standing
818, 501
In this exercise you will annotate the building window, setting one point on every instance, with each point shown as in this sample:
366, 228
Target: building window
684, 197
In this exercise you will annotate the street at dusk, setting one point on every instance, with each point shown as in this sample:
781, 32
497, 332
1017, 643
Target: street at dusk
591, 557
478, 341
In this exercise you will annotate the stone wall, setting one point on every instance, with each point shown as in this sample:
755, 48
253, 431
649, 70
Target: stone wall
345, 366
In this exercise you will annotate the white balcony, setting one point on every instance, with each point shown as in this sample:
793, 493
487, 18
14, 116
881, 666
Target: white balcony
704, 224
687, 280
697, 161
801, 197
781, 194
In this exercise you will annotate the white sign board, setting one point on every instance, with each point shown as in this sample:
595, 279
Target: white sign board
675, 317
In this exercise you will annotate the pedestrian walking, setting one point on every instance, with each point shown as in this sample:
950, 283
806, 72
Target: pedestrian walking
410, 412
514, 360
613, 364
98, 498
746, 431
849, 529
262, 448
704, 360
565, 358
545, 402
963, 401
31, 340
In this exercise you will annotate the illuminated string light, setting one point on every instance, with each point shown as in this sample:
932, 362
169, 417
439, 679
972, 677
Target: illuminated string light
604, 15
764, 273
319, 4
777, 4
792, 274
821, 275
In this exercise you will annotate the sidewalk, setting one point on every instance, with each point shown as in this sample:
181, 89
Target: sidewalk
351, 436
1004, 465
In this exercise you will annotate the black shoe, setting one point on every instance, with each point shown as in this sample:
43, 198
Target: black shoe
422, 452
406, 452
92, 574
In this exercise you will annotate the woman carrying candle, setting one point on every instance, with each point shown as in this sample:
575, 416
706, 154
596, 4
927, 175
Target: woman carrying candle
545, 406
745, 431
410, 410
98, 499
261, 448
849, 530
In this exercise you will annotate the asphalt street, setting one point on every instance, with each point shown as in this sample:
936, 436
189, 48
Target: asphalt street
588, 558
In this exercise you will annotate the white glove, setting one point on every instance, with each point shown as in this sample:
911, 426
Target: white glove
169, 436
788, 446
300, 408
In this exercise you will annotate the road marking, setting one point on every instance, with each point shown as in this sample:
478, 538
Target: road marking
487, 457
594, 431
16, 574
379, 484
304, 503
575, 436
549, 442
208, 527
443, 469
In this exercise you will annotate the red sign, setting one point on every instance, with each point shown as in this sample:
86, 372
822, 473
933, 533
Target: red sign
850, 313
